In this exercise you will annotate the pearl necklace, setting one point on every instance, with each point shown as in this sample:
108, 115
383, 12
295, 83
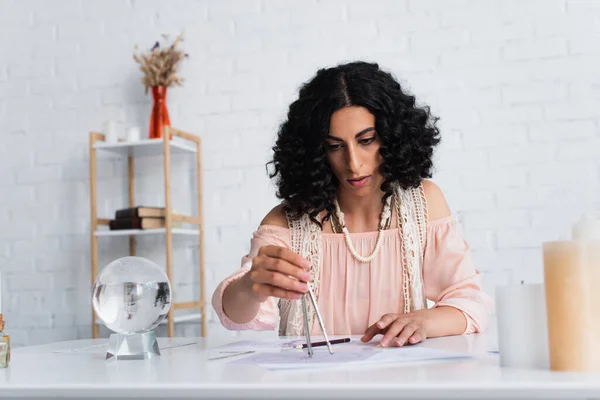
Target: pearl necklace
385, 215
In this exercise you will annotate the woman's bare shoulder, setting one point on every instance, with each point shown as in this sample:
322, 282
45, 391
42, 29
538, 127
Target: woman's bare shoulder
276, 217
437, 207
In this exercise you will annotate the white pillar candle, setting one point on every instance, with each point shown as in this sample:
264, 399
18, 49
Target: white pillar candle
522, 326
133, 134
110, 132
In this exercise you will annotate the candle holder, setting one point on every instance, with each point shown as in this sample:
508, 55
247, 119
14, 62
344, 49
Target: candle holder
571, 276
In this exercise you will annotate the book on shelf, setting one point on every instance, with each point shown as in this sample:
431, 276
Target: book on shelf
136, 223
140, 212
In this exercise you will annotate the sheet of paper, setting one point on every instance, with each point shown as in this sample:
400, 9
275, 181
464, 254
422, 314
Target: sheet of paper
321, 358
262, 345
300, 359
413, 353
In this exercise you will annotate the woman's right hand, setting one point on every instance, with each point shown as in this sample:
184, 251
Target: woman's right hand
278, 272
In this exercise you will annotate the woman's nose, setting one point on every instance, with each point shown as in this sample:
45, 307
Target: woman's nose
354, 163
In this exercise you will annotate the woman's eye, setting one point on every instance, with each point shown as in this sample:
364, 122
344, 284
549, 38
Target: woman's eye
334, 147
366, 141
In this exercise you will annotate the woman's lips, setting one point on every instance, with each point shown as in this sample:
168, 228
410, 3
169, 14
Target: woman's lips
358, 183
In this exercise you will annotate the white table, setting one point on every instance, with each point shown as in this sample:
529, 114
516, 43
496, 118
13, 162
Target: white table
185, 372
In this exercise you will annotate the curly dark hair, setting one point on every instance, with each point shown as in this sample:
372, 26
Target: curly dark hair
304, 179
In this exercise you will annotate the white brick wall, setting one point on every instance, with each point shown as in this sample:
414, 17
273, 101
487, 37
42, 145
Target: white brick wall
515, 83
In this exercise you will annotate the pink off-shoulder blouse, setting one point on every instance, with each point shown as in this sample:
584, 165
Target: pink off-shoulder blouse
355, 295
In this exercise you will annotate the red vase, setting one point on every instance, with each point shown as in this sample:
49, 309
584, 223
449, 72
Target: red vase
160, 115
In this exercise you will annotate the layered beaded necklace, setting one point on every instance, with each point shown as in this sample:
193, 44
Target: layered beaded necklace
386, 214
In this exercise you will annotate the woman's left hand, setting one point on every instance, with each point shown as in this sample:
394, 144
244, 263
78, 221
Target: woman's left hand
399, 329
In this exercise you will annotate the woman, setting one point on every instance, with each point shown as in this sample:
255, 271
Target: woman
358, 222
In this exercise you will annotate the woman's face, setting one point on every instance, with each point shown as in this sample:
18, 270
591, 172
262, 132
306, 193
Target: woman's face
353, 150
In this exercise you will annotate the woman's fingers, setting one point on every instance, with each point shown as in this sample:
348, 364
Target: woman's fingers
408, 331
393, 330
379, 327
397, 330
279, 272
417, 337
275, 258
370, 333
287, 255
278, 280
386, 320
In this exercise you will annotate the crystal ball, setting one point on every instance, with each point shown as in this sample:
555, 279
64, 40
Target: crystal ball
131, 295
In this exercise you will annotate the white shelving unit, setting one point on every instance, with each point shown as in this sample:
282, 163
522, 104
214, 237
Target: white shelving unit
144, 148
142, 232
174, 142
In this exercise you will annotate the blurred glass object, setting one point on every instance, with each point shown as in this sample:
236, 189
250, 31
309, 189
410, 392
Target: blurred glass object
131, 296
